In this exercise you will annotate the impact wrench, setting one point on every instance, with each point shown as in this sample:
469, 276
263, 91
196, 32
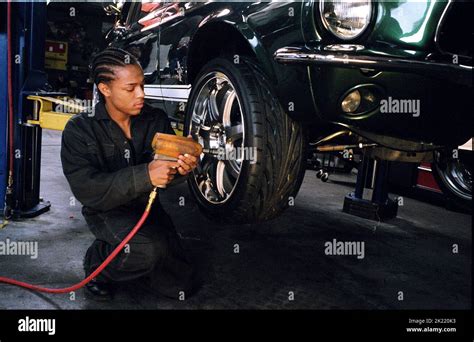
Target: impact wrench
165, 146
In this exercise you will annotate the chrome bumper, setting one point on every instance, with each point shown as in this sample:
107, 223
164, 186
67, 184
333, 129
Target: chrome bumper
454, 73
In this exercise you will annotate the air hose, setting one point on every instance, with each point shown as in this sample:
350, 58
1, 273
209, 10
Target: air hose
98, 270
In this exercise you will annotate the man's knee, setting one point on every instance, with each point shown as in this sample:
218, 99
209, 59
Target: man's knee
143, 255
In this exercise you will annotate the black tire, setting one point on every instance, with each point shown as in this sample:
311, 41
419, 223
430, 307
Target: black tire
264, 188
453, 176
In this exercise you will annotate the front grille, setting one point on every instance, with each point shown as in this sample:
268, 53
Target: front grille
455, 33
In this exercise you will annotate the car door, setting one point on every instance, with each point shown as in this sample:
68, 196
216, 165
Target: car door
141, 38
178, 23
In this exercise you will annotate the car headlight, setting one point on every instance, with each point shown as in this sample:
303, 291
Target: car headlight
345, 19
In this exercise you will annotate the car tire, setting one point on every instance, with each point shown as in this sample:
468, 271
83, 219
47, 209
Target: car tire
454, 177
236, 101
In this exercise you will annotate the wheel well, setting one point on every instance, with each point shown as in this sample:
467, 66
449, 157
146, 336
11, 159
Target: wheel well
213, 40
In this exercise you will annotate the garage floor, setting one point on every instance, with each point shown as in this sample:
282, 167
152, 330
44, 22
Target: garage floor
412, 254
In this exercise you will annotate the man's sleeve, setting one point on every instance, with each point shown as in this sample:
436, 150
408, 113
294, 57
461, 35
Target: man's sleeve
92, 187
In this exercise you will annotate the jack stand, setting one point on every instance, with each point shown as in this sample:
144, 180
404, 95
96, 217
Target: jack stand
30, 204
380, 207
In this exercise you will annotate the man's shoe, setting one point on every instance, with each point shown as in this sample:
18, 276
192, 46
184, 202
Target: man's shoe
99, 291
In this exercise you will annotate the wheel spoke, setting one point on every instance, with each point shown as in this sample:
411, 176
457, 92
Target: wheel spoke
227, 99
234, 133
206, 164
220, 170
212, 109
204, 132
233, 168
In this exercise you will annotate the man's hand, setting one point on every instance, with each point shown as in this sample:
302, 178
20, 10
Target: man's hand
187, 163
162, 172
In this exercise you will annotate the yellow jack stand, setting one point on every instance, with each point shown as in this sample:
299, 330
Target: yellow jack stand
47, 118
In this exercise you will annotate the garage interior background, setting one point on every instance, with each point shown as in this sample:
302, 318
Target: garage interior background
69, 37
56, 42
80, 37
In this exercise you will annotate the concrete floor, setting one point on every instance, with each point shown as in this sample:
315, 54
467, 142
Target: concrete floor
412, 253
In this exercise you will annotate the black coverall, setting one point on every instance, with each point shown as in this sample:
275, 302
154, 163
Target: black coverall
108, 174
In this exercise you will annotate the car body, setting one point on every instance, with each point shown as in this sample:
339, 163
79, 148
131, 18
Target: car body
406, 53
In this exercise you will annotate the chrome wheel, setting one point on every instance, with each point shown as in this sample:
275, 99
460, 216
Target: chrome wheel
457, 177
217, 122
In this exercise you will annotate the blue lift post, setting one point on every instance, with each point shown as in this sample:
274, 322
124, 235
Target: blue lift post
3, 104
28, 41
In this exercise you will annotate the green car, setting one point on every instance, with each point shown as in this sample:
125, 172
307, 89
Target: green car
256, 83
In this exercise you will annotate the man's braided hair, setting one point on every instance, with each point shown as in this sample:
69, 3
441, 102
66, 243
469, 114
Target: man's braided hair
103, 64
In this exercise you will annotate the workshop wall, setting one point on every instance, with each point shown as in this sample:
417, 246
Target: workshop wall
74, 32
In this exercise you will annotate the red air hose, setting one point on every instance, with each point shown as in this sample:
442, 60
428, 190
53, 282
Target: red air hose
94, 274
